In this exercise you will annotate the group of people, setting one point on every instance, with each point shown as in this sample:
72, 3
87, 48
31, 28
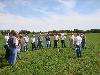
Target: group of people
14, 42
77, 42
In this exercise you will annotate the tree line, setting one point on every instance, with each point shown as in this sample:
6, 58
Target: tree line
3, 32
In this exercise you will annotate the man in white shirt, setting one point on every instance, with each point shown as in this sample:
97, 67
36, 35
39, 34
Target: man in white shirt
63, 37
25, 40
32, 40
56, 39
78, 41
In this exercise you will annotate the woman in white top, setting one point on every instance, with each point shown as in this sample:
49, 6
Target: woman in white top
19, 45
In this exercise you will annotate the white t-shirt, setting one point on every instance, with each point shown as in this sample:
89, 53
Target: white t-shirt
56, 37
6, 40
63, 37
78, 40
17, 41
32, 39
25, 39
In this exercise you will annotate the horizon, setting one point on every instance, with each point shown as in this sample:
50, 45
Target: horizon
52, 30
48, 15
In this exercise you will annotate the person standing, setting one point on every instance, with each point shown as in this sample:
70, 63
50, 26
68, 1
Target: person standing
72, 40
21, 40
83, 40
40, 43
33, 43
6, 46
12, 47
78, 41
19, 45
63, 37
56, 39
25, 40
47, 41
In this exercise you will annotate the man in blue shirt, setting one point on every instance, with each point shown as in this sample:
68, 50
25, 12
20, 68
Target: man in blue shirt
40, 39
47, 41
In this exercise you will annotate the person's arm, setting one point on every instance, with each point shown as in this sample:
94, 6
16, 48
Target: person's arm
14, 41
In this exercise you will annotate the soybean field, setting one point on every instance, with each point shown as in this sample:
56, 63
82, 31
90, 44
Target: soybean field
55, 61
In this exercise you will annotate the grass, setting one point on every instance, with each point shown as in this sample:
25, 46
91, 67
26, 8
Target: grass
59, 61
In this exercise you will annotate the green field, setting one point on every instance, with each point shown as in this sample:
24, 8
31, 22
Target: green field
59, 61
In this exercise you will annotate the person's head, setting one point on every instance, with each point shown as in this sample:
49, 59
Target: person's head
47, 34
78, 34
15, 34
62, 34
39, 34
84, 33
11, 33
81, 33
56, 33
71, 33
33, 36
8, 34
25, 34
20, 36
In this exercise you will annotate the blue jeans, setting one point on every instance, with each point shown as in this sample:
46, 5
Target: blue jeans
40, 45
18, 52
78, 50
13, 55
26, 46
48, 44
83, 43
63, 43
33, 46
55, 43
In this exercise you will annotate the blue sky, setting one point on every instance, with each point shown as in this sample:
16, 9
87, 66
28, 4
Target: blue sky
47, 15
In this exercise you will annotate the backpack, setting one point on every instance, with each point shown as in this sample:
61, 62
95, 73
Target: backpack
11, 43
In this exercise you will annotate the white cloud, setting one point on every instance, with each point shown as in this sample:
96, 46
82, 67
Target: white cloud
69, 4
57, 22
53, 21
